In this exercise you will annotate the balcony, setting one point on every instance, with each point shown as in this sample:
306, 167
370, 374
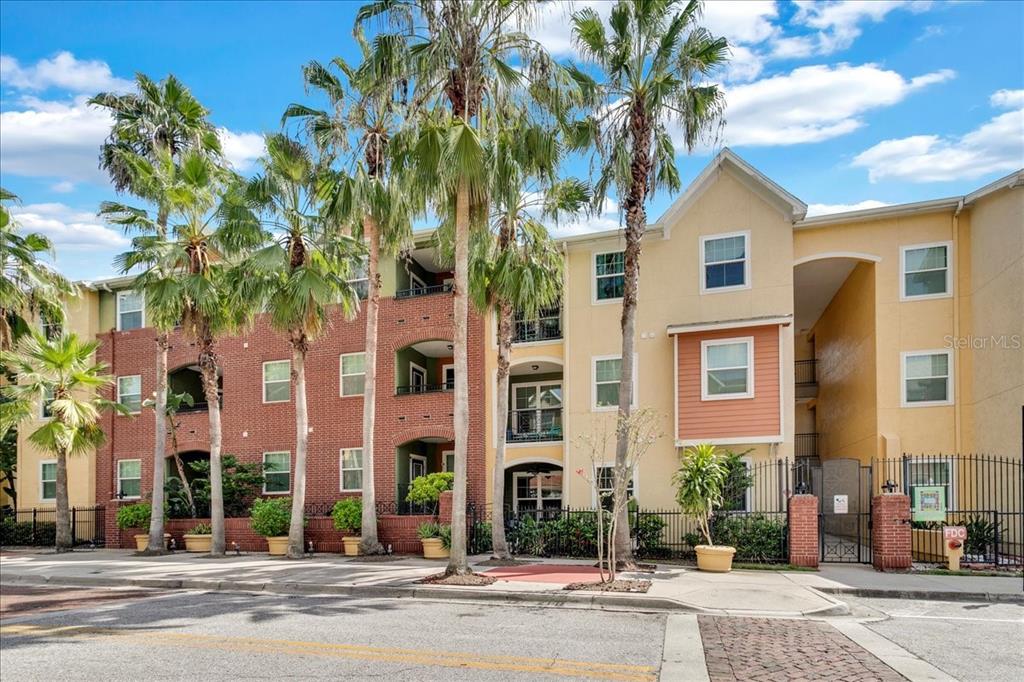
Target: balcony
545, 327
535, 425
806, 375
423, 291
805, 445
425, 388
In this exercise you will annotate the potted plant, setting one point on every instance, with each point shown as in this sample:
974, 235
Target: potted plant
270, 518
199, 538
137, 516
699, 484
348, 517
426, 490
436, 539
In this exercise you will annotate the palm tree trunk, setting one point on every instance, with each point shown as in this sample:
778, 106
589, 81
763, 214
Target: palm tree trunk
63, 515
179, 465
156, 519
296, 528
457, 564
208, 372
369, 543
499, 545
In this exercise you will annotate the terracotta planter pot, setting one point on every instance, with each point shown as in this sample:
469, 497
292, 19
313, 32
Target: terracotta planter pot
278, 546
351, 545
434, 549
714, 558
198, 543
142, 541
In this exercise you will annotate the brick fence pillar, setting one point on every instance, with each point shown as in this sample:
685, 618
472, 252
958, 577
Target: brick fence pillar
111, 533
890, 532
804, 548
444, 508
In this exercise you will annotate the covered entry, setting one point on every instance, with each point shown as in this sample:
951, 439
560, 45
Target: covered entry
533, 487
843, 488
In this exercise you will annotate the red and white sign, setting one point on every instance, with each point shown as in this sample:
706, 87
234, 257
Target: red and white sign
954, 533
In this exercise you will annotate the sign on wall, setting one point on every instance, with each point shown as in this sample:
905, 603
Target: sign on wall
929, 503
840, 504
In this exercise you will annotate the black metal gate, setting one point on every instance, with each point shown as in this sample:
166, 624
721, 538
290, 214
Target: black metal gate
844, 489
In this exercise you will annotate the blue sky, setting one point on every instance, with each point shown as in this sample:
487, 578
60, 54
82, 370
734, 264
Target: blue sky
845, 104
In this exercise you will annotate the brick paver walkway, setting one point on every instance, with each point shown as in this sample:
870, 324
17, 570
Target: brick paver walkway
791, 650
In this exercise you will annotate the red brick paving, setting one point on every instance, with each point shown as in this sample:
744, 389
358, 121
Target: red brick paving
753, 649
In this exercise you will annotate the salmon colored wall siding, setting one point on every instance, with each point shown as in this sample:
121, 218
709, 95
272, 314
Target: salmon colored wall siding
739, 418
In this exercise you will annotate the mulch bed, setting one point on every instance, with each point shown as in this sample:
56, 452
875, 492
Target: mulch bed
504, 562
375, 558
618, 585
640, 568
472, 579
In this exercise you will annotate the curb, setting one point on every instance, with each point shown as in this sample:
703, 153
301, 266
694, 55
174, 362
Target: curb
928, 595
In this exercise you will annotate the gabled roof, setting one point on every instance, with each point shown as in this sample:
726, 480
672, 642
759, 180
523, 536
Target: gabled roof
791, 207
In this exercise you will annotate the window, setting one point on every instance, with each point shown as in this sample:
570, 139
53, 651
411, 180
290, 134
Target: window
925, 271
129, 393
609, 275
48, 480
537, 491
605, 478
353, 374
448, 457
276, 472
44, 405
130, 307
537, 410
417, 378
724, 263
277, 380
727, 369
129, 478
929, 472
926, 378
51, 330
360, 280
606, 375
448, 374
351, 469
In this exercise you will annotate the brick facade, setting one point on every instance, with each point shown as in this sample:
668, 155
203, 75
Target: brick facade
804, 547
890, 533
251, 427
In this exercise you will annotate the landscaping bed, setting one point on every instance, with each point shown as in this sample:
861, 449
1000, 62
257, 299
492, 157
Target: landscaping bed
470, 580
618, 585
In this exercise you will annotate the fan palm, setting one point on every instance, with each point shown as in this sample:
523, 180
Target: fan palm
299, 274
61, 367
157, 119
654, 59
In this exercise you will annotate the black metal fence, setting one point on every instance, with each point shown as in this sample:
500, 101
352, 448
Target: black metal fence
38, 527
981, 492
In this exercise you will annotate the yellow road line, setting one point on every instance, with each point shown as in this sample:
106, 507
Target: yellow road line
551, 666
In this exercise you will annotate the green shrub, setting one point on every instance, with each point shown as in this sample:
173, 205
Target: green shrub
428, 530
271, 517
19, 533
242, 483
134, 516
647, 530
981, 535
482, 538
348, 514
756, 537
444, 531
201, 529
427, 489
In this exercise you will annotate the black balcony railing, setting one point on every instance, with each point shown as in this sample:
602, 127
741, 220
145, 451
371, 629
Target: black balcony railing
806, 372
537, 329
424, 388
423, 291
805, 445
534, 426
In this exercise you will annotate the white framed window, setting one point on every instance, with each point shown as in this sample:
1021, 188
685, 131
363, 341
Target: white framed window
131, 310
129, 478
606, 377
930, 471
727, 368
277, 468
277, 381
448, 460
537, 491
129, 392
448, 374
360, 280
926, 378
417, 467
48, 480
725, 262
609, 276
353, 374
537, 409
926, 271
417, 378
604, 476
44, 403
351, 464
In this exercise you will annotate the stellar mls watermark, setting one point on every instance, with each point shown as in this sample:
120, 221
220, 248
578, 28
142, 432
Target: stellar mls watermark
990, 342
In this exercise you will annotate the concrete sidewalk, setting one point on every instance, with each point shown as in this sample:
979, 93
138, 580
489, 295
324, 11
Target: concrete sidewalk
864, 581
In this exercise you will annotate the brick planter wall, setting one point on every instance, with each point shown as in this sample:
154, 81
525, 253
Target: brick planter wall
890, 533
804, 547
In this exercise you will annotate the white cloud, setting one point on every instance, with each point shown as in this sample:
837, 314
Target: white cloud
814, 103
741, 22
838, 23
744, 65
241, 149
608, 219
553, 25
63, 187
1007, 98
827, 209
65, 72
69, 229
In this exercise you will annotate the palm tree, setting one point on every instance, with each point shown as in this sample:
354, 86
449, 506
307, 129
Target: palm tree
28, 288
159, 118
654, 60
465, 57
62, 367
186, 274
375, 198
518, 268
298, 275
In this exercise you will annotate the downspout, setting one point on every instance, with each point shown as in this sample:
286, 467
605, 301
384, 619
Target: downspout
957, 297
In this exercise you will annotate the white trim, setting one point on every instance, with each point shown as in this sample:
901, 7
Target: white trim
675, 387
342, 375
730, 324
611, 465
119, 393
43, 402
342, 469
929, 206
412, 384
746, 262
263, 462
117, 308
838, 254
741, 440
117, 491
540, 497
948, 293
444, 376
415, 281
594, 359
413, 457
593, 277
948, 352
444, 460
710, 343
263, 385
42, 496
782, 384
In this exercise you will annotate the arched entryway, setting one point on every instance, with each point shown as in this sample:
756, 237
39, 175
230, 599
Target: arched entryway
533, 487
